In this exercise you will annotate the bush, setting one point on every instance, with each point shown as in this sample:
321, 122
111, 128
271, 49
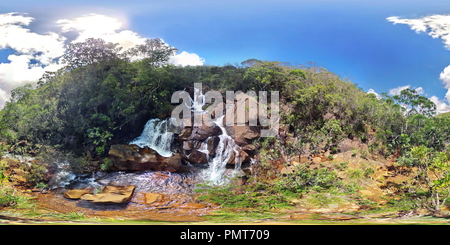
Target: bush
36, 172
106, 165
11, 198
304, 179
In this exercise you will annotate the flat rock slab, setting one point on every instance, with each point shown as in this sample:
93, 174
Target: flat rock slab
153, 197
76, 193
111, 195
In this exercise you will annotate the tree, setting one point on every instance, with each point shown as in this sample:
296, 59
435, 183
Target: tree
92, 51
153, 52
430, 187
414, 104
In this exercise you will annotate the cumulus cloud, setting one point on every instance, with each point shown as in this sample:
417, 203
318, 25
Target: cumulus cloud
441, 106
36, 53
184, 58
437, 26
101, 26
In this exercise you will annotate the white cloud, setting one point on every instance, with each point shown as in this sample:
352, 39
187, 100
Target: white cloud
184, 58
371, 91
40, 49
441, 106
437, 26
101, 26
445, 78
36, 53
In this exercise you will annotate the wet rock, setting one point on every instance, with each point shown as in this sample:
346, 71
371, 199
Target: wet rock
152, 197
132, 157
76, 193
212, 145
202, 132
111, 195
242, 155
197, 157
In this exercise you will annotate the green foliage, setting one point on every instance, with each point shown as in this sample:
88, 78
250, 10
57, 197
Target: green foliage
430, 187
305, 179
9, 197
106, 165
36, 172
98, 139
260, 196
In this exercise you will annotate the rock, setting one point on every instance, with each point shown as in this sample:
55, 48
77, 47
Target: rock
243, 135
202, 132
17, 171
197, 157
132, 157
185, 134
152, 197
111, 195
249, 147
317, 160
212, 145
350, 145
241, 154
76, 193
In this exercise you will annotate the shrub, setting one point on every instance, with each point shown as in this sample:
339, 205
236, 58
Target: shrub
11, 198
36, 172
106, 165
304, 179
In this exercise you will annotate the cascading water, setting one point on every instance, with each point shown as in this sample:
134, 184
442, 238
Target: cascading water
215, 173
156, 136
198, 102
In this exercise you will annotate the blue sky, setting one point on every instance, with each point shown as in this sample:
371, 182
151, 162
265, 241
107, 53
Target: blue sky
351, 38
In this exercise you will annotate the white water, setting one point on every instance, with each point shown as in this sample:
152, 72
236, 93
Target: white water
198, 102
215, 173
156, 136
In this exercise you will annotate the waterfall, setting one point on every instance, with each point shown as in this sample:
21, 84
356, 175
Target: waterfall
198, 102
156, 136
215, 173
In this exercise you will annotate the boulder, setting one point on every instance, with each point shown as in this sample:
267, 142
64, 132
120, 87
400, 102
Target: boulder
212, 145
132, 157
241, 154
76, 193
243, 135
197, 157
111, 195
